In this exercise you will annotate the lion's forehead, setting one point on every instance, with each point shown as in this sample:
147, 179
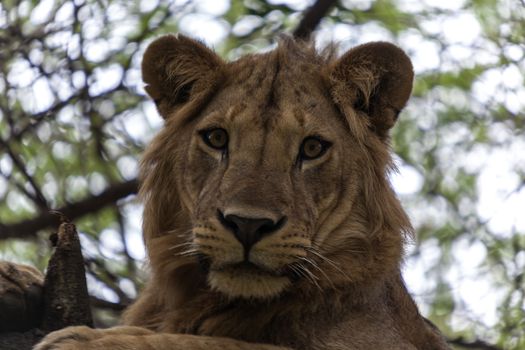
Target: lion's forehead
278, 102
270, 87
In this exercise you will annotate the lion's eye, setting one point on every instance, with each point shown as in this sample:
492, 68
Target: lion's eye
313, 147
215, 138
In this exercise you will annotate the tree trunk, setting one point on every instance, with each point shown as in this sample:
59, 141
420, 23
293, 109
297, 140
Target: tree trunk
65, 297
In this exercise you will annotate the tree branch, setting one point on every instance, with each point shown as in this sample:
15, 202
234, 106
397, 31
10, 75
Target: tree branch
39, 197
29, 228
475, 344
108, 305
312, 17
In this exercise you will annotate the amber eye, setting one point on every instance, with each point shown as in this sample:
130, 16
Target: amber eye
215, 138
313, 147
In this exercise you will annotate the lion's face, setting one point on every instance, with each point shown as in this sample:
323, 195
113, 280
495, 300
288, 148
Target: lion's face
269, 174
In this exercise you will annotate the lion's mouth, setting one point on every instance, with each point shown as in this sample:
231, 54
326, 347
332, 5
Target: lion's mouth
247, 280
243, 267
247, 267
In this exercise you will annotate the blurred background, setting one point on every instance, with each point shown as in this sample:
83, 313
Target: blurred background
74, 119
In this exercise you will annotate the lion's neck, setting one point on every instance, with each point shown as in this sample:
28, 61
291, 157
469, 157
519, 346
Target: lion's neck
306, 314
281, 321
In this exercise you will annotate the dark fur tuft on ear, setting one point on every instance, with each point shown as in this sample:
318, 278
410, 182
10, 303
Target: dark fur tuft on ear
376, 79
177, 68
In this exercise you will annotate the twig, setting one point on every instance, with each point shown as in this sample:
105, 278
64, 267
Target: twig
38, 198
312, 17
108, 305
28, 228
475, 344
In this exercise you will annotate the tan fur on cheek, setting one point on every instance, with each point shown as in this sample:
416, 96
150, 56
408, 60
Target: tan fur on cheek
335, 215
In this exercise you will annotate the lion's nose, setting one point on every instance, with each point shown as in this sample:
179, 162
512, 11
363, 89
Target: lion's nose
249, 231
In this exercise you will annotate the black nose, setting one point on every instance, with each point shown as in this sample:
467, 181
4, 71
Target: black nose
249, 230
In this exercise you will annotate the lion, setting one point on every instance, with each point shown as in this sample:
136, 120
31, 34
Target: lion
269, 219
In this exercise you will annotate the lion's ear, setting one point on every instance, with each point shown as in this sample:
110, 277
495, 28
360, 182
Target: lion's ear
375, 78
177, 69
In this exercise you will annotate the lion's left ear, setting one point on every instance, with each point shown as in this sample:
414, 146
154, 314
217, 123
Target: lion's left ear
178, 70
375, 78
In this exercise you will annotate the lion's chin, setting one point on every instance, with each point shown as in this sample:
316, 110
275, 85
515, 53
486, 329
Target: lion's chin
247, 282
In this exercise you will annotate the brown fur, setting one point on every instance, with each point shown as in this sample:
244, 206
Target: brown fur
20, 297
330, 277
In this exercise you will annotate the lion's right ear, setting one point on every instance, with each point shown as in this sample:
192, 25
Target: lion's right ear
376, 79
176, 70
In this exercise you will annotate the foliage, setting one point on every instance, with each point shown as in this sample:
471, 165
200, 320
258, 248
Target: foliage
74, 119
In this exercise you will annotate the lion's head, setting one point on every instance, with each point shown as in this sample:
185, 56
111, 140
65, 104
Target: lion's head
271, 171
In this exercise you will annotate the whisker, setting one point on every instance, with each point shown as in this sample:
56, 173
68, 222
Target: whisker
309, 275
299, 270
185, 244
329, 261
187, 234
189, 252
179, 231
328, 279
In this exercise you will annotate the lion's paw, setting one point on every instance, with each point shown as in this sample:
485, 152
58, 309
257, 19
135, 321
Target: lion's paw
85, 338
20, 297
70, 338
